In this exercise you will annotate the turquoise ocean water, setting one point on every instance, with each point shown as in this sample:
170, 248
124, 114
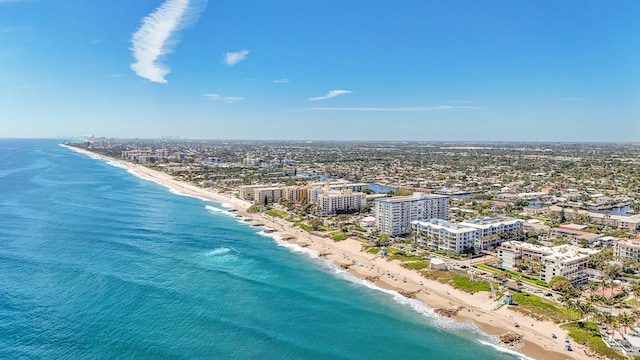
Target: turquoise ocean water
96, 263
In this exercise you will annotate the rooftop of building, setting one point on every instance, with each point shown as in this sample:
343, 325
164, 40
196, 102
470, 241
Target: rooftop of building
487, 222
443, 224
566, 252
629, 243
415, 197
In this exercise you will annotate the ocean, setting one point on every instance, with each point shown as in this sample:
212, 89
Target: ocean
96, 263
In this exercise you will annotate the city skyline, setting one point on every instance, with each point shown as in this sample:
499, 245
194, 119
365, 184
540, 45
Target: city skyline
460, 71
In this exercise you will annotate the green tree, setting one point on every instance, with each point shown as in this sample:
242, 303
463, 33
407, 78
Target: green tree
562, 285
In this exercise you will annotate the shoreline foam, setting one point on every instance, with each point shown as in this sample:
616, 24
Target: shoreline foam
347, 256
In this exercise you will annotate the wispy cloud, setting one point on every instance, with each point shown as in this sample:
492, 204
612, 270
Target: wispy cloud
156, 36
232, 58
461, 101
330, 94
414, 108
9, 1
11, 29
225, 99
281, 81
399, 109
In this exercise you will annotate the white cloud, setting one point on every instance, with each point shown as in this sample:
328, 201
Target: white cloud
281, 81
155, 37
330, 94
415, 108
232, 58
225, 99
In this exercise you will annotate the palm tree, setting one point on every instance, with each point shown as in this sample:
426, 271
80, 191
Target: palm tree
625, 321
592, 286
609, 320
635, 290
568, 303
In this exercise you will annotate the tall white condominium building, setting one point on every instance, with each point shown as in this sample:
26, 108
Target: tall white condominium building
458, 237
627, 249
395, 214
564, 260
331, 202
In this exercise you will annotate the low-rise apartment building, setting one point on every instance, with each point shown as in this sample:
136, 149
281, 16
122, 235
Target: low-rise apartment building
631, 223
459, 237
565, 260
495, 230
627, 249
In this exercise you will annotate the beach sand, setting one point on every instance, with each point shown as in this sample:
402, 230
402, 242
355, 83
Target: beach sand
474, 308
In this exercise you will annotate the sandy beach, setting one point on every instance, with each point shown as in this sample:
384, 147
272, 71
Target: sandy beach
478, 308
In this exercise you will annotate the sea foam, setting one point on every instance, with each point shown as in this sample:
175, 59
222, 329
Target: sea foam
506, 351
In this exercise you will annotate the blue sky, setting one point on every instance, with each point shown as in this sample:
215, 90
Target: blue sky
336, 70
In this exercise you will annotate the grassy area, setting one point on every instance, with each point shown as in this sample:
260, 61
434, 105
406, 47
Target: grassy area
396, 254
360, 229
438, 275
587, 333
277, 213
633, 303
540, 308
338, 236
371, 249
463, 283
326, 228
304, 226
254, 209
418, 265
513, 275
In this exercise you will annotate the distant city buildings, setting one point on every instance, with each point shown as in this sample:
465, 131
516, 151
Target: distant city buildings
395, 214
631, 223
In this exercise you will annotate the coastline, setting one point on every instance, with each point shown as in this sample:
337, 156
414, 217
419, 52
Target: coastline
475, 308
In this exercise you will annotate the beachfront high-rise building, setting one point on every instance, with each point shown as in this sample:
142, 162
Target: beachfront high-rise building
333, 201
258, 193
246, 192
459, 237
395, 214
268, 195
296, 193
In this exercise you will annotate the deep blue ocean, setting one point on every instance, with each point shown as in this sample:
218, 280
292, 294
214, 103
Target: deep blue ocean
96, 263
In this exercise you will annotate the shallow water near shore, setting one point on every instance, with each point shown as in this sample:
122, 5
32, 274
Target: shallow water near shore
98, 263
